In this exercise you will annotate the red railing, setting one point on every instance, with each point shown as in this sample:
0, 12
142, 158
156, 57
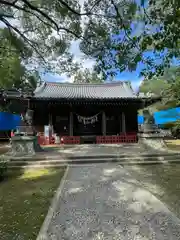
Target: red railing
42, 140
123, 138
70, 140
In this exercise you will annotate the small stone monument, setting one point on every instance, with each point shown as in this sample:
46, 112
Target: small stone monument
149, 135
25, 142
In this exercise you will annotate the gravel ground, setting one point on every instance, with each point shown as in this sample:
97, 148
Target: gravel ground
161, 180
106, 202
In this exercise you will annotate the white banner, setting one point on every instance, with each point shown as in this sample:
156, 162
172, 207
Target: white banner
87, 120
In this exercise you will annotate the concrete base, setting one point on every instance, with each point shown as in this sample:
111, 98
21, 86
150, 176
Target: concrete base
153, 141
24, 146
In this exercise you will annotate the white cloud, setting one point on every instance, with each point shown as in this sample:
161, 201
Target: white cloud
13, 22
79, 57
53, 77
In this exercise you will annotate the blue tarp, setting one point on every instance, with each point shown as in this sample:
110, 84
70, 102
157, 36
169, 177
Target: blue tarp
167, 116
140, 119
9, 121
162, 117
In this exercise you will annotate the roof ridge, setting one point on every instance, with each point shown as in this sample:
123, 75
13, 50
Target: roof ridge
88, 84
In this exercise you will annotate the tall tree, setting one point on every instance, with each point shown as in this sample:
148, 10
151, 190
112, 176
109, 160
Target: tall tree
46, 27
13, 56
116, 33
166, 86
155, 85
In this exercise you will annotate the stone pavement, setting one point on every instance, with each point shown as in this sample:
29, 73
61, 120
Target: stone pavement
100, 150
103, 202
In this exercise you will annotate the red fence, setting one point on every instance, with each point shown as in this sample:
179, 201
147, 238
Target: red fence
42, 140
70, 140
123, 138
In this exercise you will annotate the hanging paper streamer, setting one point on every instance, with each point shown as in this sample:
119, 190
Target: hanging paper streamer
87, 120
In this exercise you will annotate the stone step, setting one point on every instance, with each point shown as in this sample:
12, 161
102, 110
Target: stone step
99, 158
95, 157
123, 156
75, 164
137, 160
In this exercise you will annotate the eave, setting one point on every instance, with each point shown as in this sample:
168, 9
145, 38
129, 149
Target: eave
87, 101
149, 101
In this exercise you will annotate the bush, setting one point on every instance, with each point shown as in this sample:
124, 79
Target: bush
3, 168
168, 125
176, 129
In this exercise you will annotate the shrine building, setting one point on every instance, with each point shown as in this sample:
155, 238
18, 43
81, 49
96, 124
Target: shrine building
88, 113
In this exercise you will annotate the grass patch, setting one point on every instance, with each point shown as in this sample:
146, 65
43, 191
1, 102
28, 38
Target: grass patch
24, 201
173, 144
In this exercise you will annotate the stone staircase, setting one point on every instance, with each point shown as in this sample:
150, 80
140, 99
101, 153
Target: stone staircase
124, 159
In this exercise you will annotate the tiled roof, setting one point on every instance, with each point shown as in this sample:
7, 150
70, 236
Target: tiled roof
114, 90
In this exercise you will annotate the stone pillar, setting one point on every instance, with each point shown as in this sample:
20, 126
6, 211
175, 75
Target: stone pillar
103, 123
71, 124
123, 119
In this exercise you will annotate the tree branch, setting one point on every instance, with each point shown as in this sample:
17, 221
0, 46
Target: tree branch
23, 36
121, 20
32, 7
95, 4
76, 12
84, 13
50, 20
69, 8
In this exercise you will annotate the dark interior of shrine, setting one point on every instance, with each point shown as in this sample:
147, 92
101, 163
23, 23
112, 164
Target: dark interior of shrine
59, 115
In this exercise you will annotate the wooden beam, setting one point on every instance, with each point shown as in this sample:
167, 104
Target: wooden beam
103, 123
71, 124
123, 122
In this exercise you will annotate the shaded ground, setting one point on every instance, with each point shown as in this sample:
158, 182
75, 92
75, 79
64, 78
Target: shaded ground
104, 201
24, 201
4, 147
161, 180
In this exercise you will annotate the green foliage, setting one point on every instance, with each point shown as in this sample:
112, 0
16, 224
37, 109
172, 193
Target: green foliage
166, 86
3, 168
87, 76
155, 85
13, 55
174, 127
137, 28
118, 34
46, 27
168, 125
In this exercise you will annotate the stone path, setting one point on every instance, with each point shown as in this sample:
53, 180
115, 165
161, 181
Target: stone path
103, 202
